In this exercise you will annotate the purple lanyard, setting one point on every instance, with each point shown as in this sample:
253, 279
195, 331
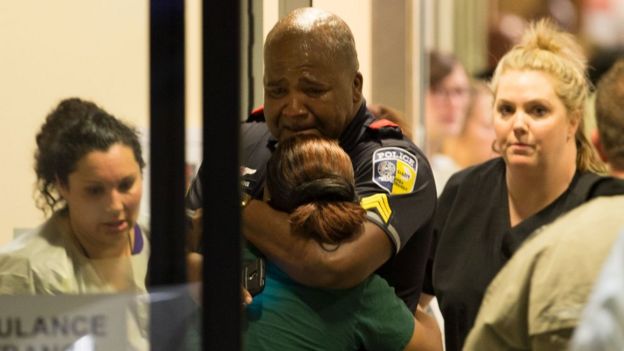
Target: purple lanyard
138, 240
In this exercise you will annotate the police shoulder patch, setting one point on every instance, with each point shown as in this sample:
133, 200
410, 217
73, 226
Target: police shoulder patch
395, 170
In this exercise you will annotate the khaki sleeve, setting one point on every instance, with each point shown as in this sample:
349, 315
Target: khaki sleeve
16, 277
557, 340
502, 320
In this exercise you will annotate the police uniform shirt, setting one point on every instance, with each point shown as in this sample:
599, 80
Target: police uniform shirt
393, 180
473, 237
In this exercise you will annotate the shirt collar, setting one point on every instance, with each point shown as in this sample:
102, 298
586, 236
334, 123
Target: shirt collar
353, 133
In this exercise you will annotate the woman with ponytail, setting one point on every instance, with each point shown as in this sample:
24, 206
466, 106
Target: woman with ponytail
546, 168
311, 178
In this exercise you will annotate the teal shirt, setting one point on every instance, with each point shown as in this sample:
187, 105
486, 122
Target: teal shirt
289, 316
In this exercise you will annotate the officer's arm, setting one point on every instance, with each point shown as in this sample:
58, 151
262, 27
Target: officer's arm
304, 260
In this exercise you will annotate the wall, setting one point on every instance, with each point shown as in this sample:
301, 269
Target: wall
357, 14
55, 49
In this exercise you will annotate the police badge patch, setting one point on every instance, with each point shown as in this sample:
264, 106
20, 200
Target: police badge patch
394, 170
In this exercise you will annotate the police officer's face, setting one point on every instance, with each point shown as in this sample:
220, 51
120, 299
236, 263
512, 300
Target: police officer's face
304, 92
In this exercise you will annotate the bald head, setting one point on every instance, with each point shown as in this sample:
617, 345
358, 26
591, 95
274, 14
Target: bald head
319, 31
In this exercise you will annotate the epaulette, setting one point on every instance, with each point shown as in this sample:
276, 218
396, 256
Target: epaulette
384, 129
256, 115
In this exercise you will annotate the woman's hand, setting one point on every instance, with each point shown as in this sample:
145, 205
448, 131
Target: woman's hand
245, 297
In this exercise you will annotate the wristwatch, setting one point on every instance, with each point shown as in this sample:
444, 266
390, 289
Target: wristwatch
245, 199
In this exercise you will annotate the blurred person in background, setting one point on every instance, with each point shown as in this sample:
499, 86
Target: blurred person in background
446, 106
608, 137
474, 144
391, 114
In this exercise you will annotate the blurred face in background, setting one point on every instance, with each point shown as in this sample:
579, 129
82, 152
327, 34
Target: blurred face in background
479, 128
447, 104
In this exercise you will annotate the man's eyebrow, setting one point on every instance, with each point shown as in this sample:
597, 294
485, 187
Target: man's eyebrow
129, 177
275, 82
310, 80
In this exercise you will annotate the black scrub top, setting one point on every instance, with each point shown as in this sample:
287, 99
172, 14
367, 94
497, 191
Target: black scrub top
473, 237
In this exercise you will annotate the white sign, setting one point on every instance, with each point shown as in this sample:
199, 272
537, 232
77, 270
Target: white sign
64, 322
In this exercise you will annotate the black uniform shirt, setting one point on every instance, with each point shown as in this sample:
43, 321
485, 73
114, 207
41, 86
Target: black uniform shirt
394, 182
473, 237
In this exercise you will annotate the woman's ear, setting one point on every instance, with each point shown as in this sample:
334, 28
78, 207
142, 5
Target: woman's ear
358, 82
574, 125
61, 188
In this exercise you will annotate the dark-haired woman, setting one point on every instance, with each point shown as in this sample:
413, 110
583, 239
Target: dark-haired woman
89, 176
312, 179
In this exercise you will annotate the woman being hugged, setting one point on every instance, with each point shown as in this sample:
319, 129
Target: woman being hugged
89, 178
546, 168
311, 178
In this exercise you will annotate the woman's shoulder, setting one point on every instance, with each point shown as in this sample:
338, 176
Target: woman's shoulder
43, 248
596, 185
30, 244
494, 167
375, 290
36, 255
474, 178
